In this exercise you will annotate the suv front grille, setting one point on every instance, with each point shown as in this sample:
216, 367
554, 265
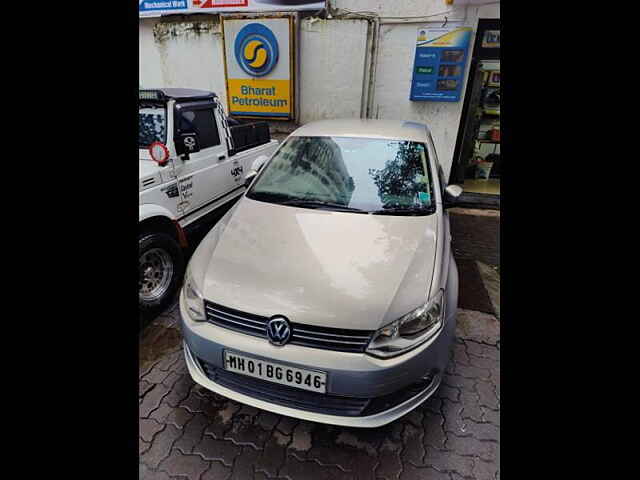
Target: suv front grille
338, 339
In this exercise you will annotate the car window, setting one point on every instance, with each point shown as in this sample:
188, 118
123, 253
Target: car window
365, 173
203, 123
152, 126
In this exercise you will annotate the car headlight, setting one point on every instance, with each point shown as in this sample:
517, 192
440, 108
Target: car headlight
410, 330
193, 298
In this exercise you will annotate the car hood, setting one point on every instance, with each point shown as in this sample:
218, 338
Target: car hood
332, 269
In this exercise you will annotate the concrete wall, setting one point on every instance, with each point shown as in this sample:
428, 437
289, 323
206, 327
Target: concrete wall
333, 75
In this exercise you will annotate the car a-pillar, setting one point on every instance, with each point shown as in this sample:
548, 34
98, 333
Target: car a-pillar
161, 263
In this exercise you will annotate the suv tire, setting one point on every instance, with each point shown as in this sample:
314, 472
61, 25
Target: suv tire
160, 267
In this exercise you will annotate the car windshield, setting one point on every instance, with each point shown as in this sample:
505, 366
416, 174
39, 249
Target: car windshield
365, 175
152, 125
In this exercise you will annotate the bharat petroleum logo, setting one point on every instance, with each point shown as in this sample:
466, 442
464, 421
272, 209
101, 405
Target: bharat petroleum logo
256, 49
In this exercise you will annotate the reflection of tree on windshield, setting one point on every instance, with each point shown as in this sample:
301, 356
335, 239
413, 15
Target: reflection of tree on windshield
402, 178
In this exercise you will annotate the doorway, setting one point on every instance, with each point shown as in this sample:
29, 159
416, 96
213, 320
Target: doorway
477, 161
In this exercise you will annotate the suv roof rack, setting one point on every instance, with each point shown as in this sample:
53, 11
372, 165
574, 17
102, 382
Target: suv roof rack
164, 94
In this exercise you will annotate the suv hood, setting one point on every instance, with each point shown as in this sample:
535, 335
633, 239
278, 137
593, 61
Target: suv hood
332, 269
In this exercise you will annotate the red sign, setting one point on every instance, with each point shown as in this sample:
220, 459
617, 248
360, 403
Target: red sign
220, 3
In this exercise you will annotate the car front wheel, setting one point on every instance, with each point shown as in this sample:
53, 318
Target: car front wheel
160, 270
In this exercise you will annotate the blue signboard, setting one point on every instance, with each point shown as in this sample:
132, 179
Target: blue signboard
439, 65
162, 6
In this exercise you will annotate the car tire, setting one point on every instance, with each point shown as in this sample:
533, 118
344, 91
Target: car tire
160, 269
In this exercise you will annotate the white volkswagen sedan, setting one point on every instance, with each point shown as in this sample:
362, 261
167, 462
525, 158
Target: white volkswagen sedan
329, 291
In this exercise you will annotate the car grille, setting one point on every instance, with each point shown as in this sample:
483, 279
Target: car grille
312, 401
338, 339
284, 395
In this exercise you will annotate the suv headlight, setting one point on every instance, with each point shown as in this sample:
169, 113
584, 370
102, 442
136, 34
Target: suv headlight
193, 298
410, 330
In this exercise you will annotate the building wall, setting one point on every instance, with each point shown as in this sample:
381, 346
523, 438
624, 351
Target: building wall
334, 78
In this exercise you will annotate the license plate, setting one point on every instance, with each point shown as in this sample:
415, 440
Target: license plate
276, 372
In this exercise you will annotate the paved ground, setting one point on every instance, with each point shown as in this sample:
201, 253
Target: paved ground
186, 431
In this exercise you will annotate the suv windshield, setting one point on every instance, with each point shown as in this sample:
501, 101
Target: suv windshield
152, 125
363, 175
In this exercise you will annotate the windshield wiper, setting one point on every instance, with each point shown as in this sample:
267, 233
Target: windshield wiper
319, 204
269, 196
405, 211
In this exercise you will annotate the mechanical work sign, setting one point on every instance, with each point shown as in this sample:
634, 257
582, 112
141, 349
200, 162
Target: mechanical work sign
439, 65
157, 8
259, 67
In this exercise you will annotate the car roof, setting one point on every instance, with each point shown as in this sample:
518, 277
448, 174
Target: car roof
182, 93
365, 128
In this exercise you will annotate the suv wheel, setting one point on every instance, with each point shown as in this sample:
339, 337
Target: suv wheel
160, 270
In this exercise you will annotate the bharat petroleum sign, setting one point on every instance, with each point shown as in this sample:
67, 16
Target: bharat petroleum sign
258, 67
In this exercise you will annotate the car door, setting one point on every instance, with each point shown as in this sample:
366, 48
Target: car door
204, 176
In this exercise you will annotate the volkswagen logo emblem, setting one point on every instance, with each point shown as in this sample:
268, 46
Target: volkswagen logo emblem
278, 330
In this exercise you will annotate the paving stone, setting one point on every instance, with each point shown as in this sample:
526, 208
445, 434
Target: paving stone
472, 447
477, 326
161, 446
411, 472
267, 420
217, 471
179, 391
484, 470
448, 461
460, 383
434, 434
302, 436
483, 431
179, 417
144, 387
413, 450
194, 403
148, 428
274, 454
143, 446
487, 395
243, 466
171, 379
190, 466
161, 414
491, 416
481, 350
144, 473
390, 465
152, 400
244, 432
156, 376
287, 424
169, 360
223, 451
483, 362
474, 373
295, 469
192, 433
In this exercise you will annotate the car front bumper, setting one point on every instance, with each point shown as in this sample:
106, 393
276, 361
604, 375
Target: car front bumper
408, 380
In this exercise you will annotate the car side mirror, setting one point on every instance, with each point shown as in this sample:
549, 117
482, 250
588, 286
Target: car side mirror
451, 195
187, 143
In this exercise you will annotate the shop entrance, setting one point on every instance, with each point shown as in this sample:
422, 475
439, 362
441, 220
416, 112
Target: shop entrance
477, 161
